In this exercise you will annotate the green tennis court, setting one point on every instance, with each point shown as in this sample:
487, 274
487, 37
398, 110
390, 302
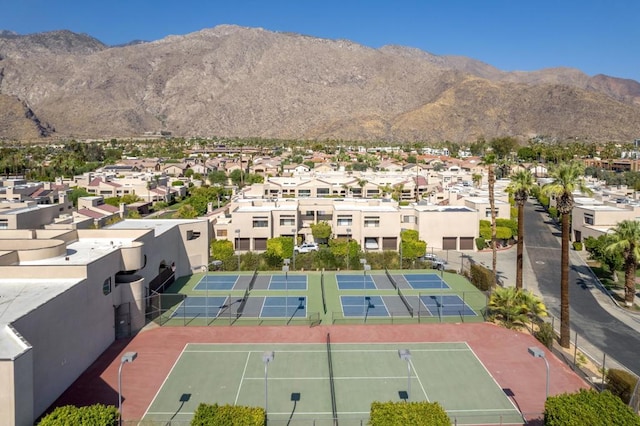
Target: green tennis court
297, 385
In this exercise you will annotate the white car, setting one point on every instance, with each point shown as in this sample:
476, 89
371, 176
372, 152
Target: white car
306, 248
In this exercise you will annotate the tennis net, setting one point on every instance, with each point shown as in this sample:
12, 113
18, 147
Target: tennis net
393, 281
331, 382
253, 279
406, 303
324, 298
243, 302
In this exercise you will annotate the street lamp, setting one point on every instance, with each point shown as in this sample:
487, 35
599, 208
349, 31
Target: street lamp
405, 354
285, 269
348, 244
238, 246
536, 352
365, 267
267, 357
127, 357
293, 231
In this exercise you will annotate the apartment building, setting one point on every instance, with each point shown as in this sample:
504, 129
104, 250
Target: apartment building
66, 295
591, 218
30, 215
374, 223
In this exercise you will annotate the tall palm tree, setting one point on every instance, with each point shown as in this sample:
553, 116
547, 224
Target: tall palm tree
521, 185
489, 160
626, 238
567, 178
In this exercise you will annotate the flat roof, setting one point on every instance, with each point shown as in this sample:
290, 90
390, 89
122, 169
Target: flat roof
84, 251
160, 226
19, 297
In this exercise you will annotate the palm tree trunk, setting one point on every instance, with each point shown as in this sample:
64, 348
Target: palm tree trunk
565, 327
520, 246
630, 282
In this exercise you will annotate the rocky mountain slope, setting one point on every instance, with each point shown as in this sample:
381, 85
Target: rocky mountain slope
233, 81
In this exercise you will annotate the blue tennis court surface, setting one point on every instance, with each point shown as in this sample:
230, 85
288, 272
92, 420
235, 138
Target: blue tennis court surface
196, 306
284, 307
216, 282
363, 306
426, 281
355, 282
288, 282
447, 305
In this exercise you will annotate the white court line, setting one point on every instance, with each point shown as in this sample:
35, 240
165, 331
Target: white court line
492, 378
419, 381
327, 378
244, 371
165, 379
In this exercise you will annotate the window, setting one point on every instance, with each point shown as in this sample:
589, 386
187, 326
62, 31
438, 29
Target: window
260, 222
106, 286
408, 219
287, 221
4, 223
371, 222
193, 235
322, 191
221, 232
345, 221
487, 212
304, 193
371, 243
588, 218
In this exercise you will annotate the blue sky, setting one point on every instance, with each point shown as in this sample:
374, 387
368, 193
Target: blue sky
595, 36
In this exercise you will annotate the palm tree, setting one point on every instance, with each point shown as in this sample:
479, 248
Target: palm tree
626, 238
521, 185
567, 178
489, 160
477, 179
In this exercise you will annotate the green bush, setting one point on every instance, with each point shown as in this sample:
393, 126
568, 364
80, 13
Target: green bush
577, 246
621, 383
481, 277
508, 223
545, 334
92, 415
408, 413
543, 199
588, 407
553, 212
480, 243
228, 415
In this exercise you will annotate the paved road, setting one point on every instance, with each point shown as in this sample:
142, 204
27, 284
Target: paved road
605, 329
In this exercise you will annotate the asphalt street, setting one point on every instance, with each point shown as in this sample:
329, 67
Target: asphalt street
589, 318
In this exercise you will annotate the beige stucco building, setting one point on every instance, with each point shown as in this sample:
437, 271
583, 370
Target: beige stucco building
66, 295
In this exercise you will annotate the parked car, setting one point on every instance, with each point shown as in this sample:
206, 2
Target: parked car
436, 262
306, 248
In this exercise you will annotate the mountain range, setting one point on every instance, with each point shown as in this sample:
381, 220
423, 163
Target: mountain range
232, 81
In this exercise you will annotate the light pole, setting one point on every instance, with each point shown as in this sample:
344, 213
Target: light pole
348, 246
267, 357
238, 247
536, 352
127, 357
293, 252
365, 267
285, 269
405, 354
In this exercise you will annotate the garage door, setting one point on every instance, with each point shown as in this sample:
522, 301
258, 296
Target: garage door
449, 243
466, 243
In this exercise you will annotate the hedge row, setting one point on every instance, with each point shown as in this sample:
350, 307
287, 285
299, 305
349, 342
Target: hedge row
228, 415
588, 407
408, 413
481, 277
621, 383
92, 415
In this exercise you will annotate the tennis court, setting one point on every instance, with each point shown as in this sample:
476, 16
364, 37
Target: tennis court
216, 282
288, 282
258, 307
446, 305
313, 383
355, 282
422, 281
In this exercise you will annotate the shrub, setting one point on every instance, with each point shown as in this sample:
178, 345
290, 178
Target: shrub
480, 243
228, 415
621, 383
408, 413
588, 407
481, 277
92, 415
577, 246
508, 223
553, 212
545, 334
